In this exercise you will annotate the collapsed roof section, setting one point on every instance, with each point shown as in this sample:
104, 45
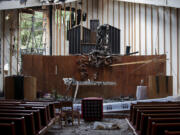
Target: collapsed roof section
17, 4
164, 3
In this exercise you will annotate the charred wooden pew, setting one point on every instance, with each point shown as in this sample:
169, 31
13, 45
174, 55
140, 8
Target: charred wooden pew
135, 107
172, 132
42, 102
50, 104
36, 114
49, 114
135, 116
159, 128
140, 122
29, 120
7, 128
144, 119
19, 123
160, 120
43, 110
43, 114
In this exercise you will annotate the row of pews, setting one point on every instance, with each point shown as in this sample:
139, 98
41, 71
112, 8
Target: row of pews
155, 118
26, 117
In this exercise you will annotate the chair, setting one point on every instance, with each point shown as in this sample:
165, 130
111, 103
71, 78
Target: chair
66, 111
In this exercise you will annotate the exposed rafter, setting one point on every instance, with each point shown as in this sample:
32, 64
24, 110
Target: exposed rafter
166, 3
5, 5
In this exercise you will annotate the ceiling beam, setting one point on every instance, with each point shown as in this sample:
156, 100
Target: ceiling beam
5, 5
165, 3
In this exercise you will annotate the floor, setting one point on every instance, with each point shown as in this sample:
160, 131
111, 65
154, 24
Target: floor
88, 128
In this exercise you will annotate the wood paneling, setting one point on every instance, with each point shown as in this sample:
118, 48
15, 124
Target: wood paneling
139, 29
126, 77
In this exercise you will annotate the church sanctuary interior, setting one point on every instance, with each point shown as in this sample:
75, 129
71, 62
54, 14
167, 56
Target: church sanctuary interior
89, 67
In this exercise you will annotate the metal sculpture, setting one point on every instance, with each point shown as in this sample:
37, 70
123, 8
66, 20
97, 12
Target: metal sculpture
99, 57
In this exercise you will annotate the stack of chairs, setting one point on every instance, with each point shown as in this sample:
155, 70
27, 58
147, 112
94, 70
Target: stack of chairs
155, 118
26, 117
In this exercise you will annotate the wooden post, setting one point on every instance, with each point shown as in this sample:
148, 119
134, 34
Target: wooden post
177, 19
139, 29
158, 30
60, 28
3, 33
92, 9
164, 30
145, 30
113, 13
11, 48
76, 12
102, 12
64, 29
134, 27
129, 26
70, 15
119, 14
57, 27
107, 11
170, 27
18, 41
82, 8
87, 13
124, 27
152, 49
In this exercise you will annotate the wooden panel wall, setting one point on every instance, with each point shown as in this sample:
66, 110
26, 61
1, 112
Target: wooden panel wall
148, 29
126, 77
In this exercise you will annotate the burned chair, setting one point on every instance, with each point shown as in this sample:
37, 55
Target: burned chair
67, 113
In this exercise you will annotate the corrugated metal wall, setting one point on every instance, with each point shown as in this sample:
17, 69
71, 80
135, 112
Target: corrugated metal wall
147, 29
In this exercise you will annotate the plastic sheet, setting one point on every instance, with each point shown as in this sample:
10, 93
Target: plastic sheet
124, 106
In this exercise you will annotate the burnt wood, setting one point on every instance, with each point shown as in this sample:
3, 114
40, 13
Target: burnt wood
144, 118
7, 128
159, 128
36, 114
19, 123
141, 124
160, 120
172, 132
29, 120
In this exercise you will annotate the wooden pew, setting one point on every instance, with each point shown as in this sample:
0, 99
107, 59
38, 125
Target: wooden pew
20, 127
135, 107
36, 114
43, 111
7, 128
172, 132
139, 112
39, 105
151, 108
11, 108
15, 103
159, 128
29, 120
160, 120
141, 104
149, 104
50, 104
144, 119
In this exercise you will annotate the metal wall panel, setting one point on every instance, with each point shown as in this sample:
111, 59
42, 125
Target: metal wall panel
114, 40
74, 40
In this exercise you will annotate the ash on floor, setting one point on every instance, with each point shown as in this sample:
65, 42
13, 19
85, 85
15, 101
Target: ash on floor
88, 128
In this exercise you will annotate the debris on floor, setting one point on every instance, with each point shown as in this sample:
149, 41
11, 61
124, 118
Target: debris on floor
106, 127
